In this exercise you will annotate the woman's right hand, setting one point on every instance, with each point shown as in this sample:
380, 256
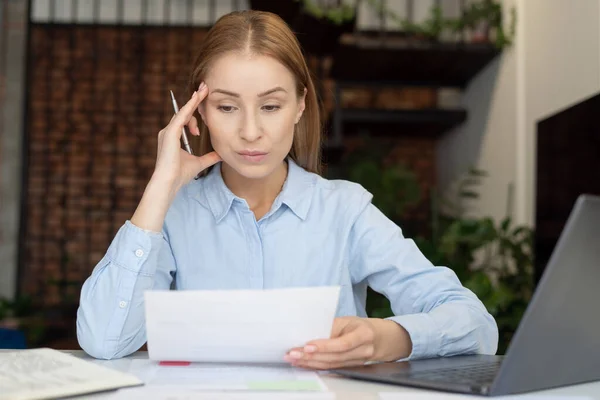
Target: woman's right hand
175, 167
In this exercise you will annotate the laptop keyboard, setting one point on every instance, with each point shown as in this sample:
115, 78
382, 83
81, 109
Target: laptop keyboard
476, 374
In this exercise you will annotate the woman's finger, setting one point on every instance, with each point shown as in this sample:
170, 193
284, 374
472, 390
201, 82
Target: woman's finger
207, 160
186, 112
343, 343
193, 126
363, 353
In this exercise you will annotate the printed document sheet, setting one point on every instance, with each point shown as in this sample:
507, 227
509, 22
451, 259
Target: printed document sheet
216, 377
239, 326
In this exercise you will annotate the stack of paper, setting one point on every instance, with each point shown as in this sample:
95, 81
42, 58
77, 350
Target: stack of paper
48, 374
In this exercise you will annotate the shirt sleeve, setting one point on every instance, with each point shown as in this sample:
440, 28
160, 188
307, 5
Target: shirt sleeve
110, 318
442, 317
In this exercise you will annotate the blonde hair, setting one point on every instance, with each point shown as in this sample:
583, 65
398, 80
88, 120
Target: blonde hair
264, 33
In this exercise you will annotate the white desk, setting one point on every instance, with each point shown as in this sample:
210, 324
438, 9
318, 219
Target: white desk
346, 389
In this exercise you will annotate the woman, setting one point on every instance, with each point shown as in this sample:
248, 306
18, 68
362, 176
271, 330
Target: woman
261, 217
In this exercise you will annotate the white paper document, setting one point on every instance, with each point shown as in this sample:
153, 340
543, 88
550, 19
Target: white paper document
48, 374
226, 377
246, 326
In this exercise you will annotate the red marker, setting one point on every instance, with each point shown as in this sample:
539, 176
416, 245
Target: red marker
174, 363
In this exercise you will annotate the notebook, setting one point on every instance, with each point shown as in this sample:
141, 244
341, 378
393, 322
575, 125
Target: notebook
48, 374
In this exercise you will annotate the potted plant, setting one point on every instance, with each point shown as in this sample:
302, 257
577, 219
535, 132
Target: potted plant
493, 259
20, 326
483, 20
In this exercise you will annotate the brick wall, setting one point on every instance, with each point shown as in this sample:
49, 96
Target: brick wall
97, 98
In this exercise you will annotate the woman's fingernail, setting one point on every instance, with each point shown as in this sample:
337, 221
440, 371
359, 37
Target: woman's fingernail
202, 86
296, 354
310, 348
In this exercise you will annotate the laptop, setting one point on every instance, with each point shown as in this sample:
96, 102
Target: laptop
557, 342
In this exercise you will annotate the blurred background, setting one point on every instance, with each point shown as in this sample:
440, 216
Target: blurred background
474, 124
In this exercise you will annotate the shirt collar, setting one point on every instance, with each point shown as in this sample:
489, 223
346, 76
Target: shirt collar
296, 192
216, 194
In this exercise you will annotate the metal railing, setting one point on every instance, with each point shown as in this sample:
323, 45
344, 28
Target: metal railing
132, 12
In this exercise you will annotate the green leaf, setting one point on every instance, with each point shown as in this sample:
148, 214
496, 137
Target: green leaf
477, 172
468, 194
480, 284
505, 224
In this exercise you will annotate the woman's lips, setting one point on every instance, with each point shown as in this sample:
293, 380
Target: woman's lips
253, 156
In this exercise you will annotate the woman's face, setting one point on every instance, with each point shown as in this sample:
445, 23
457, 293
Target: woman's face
250, 112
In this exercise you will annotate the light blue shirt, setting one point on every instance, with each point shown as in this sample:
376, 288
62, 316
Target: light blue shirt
318, 232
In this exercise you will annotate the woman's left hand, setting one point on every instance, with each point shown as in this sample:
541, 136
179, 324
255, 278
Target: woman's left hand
354, 341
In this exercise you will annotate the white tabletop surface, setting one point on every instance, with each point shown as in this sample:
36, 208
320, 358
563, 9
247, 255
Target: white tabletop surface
347, 389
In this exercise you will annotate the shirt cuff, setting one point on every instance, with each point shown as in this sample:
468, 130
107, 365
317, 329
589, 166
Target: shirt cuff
426, 340
133, 247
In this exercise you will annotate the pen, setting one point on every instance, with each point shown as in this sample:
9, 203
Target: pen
186, 143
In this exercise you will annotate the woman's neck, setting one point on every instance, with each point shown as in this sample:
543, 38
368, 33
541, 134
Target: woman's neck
258, 193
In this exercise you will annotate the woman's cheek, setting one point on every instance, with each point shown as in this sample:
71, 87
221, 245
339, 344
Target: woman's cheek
279, 127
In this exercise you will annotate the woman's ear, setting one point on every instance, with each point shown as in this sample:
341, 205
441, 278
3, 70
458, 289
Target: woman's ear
301, 106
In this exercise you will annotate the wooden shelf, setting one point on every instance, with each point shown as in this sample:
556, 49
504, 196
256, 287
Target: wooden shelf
396, 60
429, 122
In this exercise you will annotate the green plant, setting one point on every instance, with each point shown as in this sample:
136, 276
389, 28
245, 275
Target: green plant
20, 314
486, 13
493, 259
336, 13
395, 188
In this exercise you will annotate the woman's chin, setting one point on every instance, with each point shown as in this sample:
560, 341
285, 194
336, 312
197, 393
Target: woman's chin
253, 170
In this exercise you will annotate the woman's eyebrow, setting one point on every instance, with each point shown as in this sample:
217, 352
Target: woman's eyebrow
263, 94
275, 89
227, 92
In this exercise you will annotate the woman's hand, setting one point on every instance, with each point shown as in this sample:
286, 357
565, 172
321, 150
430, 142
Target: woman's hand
354, 341
174, 166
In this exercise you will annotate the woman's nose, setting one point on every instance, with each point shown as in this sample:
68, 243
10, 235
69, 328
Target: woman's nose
251, 130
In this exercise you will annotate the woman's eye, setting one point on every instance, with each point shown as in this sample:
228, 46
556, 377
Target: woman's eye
271, 108
226, 109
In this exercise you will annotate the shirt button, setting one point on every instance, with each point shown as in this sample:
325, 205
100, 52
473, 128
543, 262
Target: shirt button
139, 253
122, 304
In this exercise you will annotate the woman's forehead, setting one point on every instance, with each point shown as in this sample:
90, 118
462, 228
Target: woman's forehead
251, 72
